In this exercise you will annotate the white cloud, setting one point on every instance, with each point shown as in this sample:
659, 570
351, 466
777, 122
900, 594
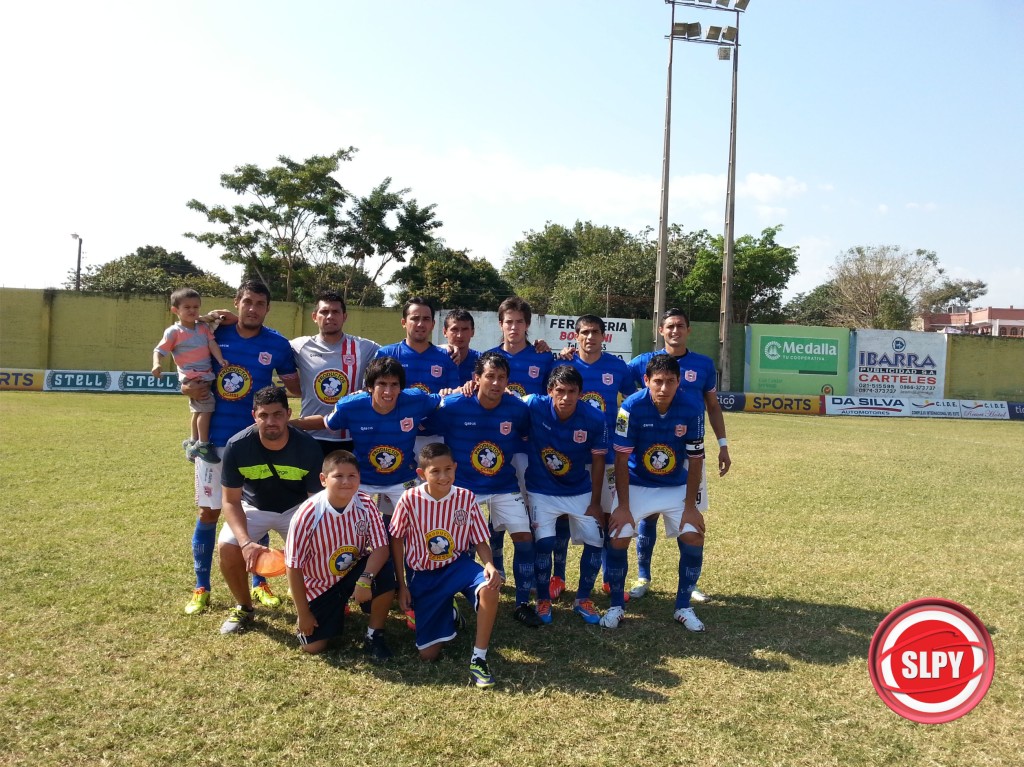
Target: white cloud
883, 208
927, 207
766, 188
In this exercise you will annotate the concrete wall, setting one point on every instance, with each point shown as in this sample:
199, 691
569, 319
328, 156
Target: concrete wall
985, 367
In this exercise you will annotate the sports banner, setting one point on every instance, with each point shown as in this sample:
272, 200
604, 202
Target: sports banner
986, 410
731, 401
887, 407
898, 363
1016, 410
788, 404
13, 379
794, 359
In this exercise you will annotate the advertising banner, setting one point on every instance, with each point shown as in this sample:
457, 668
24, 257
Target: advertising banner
898, 363
888, 407
126, 381
986, 410
929, 408
1016, 410
789, 404
794, 359
12, 379
731, 402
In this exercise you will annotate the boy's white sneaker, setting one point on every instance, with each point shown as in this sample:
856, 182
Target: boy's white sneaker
689, 619
610, 620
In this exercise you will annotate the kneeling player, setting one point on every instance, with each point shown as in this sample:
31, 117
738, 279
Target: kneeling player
656, 429
336, 548
435, 527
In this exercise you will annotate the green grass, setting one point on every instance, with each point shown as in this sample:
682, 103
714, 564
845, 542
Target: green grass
822, 527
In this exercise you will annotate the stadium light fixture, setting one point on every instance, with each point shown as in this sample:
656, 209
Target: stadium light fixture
78, 268
714, 33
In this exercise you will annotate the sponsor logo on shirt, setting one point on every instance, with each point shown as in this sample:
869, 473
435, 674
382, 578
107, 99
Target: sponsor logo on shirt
555, 462
343, 559
386, 458
233, 382
440, 546
659, 459
594, 399
487, 458
330, 386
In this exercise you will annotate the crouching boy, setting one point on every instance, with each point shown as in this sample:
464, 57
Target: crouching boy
435, 529
337, 548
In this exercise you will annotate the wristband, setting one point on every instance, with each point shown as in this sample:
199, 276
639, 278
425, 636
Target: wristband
371, 577
723, 442
248, 542
364, 584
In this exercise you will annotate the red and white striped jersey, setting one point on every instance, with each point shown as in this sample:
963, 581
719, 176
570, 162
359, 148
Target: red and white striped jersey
437, 531
326, 543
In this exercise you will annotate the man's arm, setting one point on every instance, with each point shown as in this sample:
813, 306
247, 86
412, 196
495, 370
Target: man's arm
621, 516
297, 586
158, 363
377, 559
231, 498
690, 512
494, 581
398, 557
717, 421
309, 423
597, 462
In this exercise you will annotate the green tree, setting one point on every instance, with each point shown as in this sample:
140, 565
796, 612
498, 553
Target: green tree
813, 308
881, 286
619, 283
150, 270
451, 278
952, 293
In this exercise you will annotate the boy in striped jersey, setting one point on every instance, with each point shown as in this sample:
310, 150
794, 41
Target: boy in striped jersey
336, 548
436, 528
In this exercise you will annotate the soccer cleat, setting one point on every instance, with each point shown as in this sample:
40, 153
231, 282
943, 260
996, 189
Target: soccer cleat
640, 588
556, 586
611, 619
238, 619
207, 452
410, 620
189, 446
200, 601
607, 589
586, 610
480, 673
377, 648
457, 616
689, 619
699, 597
544, 611
265, 596
526, 615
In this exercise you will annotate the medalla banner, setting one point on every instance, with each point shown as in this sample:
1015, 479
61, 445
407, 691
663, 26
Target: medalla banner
898, 363
796, 359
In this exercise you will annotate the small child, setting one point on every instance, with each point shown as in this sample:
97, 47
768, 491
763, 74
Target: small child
337, 548
190, 342
435, 528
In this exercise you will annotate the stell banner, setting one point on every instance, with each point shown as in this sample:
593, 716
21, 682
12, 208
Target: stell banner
795, 359
898, 363
121, 381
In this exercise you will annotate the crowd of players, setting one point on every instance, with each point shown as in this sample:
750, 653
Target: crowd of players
410, 459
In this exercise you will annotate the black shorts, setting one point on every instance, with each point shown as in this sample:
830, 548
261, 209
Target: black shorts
329, 607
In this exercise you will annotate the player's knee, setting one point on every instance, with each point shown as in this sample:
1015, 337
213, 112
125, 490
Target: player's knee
520, 537
206, 516
314, 648
620, 543
693, 539
430, 654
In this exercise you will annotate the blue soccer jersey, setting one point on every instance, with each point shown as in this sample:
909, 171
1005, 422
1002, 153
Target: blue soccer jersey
560, 450
251, 366
658, 444
467, 365
603, 382
430, 370
385, 444
483, 441
697, 376
528, 370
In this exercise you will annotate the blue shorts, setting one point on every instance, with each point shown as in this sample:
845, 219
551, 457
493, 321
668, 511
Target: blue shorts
432, 592
329, 607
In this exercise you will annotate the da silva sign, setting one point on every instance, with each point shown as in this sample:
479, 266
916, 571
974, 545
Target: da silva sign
898, 363
790, 359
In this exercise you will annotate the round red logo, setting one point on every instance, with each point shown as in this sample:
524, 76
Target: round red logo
931, 661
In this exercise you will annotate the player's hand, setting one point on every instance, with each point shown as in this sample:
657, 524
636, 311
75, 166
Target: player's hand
619, 518
542, 346
567, 353
251, 554
724, 461
404, 597
693, 517
362, 594
494, 579
195, 389
157, 372
594, 510
457, 354
468, 388
306, 623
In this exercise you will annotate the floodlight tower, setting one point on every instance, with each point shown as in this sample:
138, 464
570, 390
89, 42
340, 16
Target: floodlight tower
78, 268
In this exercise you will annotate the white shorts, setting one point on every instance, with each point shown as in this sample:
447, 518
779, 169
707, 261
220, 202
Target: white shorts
607, 489
259, 523
546, 509
702, 491
422, 442
668, 501
386, 496
208, 494
506, 512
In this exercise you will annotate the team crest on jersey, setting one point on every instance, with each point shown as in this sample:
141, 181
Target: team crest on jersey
594, 399
385, 458
265, 358
348, 359
680, 429
607, 379
362, 527
622, 423
659, 459
343, 559
422, 387
534, 371
579, 436
460, 516
505, 427
487, 458
330, 386
690, 375
440, 546
435, 371
233, 382
406, 424
555, 462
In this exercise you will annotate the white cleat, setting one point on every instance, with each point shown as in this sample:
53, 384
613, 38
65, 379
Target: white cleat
610, 620
689, 619
640, 588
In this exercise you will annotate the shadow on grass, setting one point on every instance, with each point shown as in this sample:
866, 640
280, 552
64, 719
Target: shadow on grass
637, 661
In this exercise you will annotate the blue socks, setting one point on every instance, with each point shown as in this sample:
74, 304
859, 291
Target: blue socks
258, 579
544, 548
615, 574
523, 562
561, 550
690, 560
203, 539
646, 537
590, 564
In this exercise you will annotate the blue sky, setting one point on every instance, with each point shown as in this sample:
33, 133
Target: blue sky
860, 123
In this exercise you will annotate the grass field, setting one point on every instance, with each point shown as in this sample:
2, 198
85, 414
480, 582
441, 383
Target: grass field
822, 527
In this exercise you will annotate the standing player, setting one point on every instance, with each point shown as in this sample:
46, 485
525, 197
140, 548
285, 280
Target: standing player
435, 525
331, 366
698, 383
484, 430
459, 329
255, 353
657, 435
426, 366
269, 469
564, 439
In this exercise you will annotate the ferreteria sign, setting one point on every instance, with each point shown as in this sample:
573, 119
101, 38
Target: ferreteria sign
898, 363
789, 359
